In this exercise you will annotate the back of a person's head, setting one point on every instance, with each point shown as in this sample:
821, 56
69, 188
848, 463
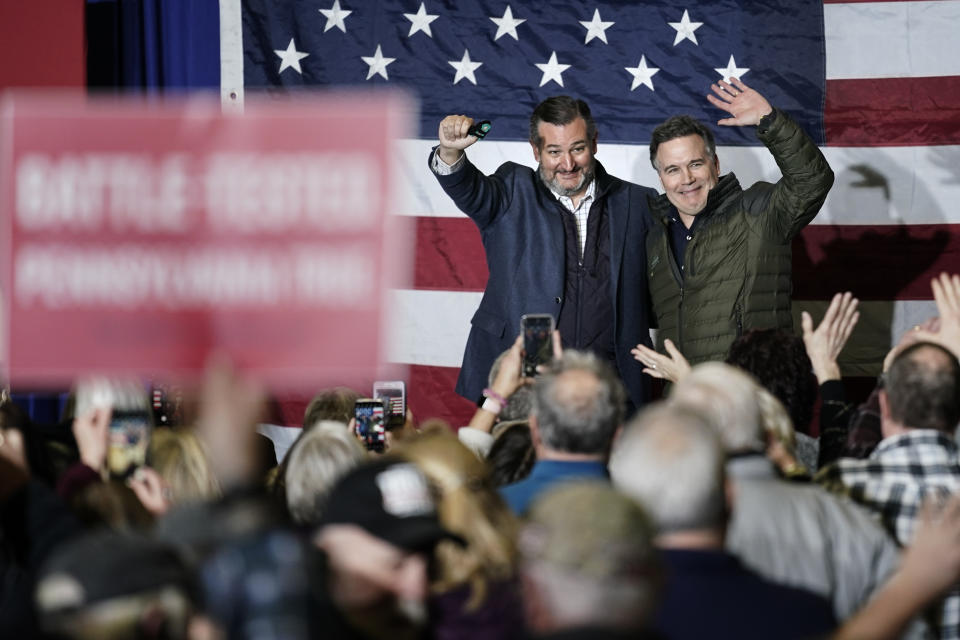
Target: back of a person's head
512, 453
670, 460
468, 505
578, 404
588, 560
177, 455
923, 388
778, 360
111, 505
320, 457
330, 404
728, 398
116, 586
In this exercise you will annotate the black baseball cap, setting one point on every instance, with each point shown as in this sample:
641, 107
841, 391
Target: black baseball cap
390, 500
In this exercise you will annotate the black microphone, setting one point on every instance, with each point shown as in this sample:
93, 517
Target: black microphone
480, 129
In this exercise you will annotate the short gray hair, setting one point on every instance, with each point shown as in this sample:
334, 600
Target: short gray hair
321, 456
588, 551
575, 414
670, 460
728, 398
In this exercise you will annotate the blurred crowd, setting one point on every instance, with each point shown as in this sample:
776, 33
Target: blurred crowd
712, 513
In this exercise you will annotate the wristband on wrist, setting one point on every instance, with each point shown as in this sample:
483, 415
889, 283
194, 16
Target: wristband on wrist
490, 393
492, 405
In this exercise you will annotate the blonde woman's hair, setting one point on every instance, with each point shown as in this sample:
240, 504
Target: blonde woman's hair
776, 421
178, 456
468, 505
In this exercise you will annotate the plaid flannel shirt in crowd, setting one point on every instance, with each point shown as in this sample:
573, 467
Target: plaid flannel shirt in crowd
894, 481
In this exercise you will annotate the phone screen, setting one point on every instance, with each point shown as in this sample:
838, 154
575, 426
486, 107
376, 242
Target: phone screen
129, 438
392, 394
537, 341
370, 427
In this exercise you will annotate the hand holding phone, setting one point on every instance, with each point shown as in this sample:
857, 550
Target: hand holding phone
537, 331
128, 438
393, 394
369, 425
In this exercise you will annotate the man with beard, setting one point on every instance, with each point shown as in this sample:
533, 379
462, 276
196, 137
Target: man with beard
565, 240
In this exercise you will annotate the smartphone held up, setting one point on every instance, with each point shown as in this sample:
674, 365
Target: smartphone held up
537, 330
368, 415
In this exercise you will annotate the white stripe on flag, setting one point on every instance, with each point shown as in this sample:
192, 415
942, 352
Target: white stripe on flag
892, 39
874, 185
430, 327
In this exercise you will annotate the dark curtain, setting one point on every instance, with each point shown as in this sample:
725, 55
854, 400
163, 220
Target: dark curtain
153, 45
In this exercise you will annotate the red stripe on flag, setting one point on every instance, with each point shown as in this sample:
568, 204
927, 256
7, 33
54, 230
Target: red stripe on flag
890, 262
893, 112
430, 394
876, 262
449, 255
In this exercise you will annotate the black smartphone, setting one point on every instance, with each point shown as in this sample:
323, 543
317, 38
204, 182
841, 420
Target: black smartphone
370, 428
129, 437
537, 330
393, 393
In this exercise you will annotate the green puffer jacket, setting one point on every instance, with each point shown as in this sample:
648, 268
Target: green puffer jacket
737, 267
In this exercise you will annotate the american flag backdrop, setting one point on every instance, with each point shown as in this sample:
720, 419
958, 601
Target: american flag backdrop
876, 84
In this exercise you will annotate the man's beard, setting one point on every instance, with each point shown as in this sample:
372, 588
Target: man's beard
586, 175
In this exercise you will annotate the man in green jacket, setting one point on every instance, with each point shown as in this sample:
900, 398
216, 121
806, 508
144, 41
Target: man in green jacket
719, 256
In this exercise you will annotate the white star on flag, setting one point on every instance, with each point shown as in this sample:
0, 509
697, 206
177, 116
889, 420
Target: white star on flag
378, 64
420, 21
290, 57
642, 74
552, 70
507, 25
685, 29
335, 16
596, 28
732, 70
465, 68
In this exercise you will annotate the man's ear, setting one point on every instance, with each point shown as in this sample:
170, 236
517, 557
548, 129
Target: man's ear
884, 404
716, 163
593, 145
536, 151
534, 430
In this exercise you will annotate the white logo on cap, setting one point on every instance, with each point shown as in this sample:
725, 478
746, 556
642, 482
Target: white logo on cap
404, 492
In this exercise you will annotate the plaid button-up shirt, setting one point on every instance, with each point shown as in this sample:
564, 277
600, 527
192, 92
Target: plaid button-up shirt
894, 481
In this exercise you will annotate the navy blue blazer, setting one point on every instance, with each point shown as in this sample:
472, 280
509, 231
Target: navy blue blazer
521, 225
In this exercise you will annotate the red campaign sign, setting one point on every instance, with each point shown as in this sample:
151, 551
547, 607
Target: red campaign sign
139, 237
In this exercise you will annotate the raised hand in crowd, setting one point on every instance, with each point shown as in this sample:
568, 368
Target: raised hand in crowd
930, 565
744, 104
825, 342
229, 411
509, 378
672, 367
946, 293
151, 490
91, 431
